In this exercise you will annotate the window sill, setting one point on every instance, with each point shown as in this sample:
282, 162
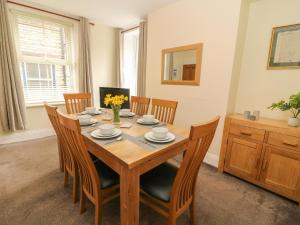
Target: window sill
36, 105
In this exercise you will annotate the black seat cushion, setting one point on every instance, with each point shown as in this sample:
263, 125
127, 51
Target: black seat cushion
108, 177
159, 181
94, 158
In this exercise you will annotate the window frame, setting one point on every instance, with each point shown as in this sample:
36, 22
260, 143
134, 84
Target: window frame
71, 51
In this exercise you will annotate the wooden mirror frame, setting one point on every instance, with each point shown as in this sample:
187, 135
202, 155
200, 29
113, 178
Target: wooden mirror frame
198, 48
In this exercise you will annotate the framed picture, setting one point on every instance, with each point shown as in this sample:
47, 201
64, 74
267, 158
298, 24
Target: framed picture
284, 50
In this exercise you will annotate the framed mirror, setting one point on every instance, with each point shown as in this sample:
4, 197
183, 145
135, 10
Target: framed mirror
182, 65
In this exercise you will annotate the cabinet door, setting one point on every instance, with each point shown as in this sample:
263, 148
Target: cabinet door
243, 158
281, 171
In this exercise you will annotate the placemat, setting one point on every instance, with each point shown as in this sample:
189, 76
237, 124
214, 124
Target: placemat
140, 140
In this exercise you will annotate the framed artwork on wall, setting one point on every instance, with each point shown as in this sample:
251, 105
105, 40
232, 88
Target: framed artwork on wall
284, 50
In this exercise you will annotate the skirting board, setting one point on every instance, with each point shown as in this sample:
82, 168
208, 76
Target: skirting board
26, 136
211, 159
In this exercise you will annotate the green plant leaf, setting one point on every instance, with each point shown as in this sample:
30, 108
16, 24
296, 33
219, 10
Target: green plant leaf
293, 104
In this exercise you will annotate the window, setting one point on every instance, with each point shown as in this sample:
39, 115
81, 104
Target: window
45, 56
130, 49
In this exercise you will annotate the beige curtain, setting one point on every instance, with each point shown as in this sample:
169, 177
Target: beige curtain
84, 60
119, 57
142, 58
12, 103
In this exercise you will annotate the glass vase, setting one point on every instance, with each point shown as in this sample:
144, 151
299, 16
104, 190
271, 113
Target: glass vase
116, 114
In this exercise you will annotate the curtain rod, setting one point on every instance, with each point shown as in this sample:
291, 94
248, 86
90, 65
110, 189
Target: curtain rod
46, 11
133, 28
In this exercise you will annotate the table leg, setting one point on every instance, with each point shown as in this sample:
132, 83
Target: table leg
130, 196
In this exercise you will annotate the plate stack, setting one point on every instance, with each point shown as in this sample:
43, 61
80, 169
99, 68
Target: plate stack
126, 113
159, 135
148, 120
86, 120
106, 131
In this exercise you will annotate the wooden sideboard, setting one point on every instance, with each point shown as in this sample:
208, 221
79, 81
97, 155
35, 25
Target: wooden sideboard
265, 152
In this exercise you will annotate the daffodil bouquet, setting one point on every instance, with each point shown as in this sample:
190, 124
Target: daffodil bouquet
115, 102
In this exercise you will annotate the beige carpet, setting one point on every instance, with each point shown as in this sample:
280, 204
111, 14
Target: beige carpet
32, 193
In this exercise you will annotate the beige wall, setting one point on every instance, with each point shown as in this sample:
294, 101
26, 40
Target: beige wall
238, 56
103, 68
259, 87
104, 64
213, 22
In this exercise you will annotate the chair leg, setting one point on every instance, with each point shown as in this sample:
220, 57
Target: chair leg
172, 220
192, 213
66, 178
98, 212
82, 201
75, 188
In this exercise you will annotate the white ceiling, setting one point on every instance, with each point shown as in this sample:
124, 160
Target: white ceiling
117, 13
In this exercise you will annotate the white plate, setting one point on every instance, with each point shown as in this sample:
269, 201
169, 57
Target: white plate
130, 114
93, 121
141, 121
92, 114
98, 135
149, 136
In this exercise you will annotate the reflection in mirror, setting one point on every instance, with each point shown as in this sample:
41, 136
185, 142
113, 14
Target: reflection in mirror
180, 65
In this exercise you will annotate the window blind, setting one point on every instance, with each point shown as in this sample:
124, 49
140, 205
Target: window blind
45, 56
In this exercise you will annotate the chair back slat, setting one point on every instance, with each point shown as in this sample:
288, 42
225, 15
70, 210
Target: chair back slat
200, 139
90, 180
77, 102
139, 105
67, 155
164, 110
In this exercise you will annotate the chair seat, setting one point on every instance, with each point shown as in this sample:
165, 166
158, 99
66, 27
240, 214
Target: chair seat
108, 177
158, 182
94, 158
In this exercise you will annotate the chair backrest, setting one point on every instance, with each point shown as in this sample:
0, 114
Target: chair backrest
76, 102
164, 110
68, 156
90, 180
139, 105
200, 139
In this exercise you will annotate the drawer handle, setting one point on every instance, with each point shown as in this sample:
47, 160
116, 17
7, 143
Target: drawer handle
264, 166
290, 144
245, 133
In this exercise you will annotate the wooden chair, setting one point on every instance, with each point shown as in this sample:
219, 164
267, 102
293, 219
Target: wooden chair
76, 102
69, 164
99, 183
139, 105
164, 110
170, 190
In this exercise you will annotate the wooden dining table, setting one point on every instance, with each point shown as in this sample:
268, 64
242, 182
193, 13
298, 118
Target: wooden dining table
131, 157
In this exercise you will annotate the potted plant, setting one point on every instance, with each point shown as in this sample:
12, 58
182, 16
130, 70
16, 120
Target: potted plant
293, 105
115, 102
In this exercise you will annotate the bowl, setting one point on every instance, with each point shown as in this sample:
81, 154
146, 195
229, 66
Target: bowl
84, 119
106, 129
148, 118
125, 111
90, 110
160, 132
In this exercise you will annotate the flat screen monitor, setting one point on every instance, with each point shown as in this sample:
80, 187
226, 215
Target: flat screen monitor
114, 91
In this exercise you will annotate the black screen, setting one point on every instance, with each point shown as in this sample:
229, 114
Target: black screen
114, 91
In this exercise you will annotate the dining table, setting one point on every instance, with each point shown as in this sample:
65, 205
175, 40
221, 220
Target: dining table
131, 156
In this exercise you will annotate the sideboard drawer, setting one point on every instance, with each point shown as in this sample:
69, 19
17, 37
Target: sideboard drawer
248, 132
283, 140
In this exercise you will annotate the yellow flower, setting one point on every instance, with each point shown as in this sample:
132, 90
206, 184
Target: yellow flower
116, 100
